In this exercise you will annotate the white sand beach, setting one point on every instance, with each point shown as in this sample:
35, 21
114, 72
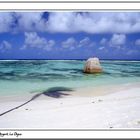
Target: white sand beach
119, 109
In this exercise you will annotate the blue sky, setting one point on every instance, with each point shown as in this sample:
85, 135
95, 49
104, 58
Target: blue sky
69, 35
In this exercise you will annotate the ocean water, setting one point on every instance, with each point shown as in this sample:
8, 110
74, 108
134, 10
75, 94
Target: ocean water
18, 77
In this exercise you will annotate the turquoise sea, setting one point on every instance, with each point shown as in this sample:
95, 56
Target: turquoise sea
18, 77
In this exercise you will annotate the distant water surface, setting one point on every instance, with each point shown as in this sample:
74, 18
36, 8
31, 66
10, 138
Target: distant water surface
29, 76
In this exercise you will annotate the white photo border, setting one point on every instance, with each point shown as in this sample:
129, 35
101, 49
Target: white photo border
78, 5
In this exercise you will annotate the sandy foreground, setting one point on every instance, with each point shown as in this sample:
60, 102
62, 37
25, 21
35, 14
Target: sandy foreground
121, 109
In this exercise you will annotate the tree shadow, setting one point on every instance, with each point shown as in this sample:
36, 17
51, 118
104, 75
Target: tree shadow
55, 92
33, 98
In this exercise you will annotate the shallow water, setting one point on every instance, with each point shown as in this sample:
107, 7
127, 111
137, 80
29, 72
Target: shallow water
33, 76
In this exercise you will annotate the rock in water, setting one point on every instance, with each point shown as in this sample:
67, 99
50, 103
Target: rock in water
93, 66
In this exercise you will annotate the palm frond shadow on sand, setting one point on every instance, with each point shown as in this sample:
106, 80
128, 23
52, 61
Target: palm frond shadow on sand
55, 92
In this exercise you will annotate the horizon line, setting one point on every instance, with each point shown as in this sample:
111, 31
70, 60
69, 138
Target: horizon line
76, 59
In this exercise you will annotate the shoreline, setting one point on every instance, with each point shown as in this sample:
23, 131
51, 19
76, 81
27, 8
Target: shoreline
76, 92
120, 109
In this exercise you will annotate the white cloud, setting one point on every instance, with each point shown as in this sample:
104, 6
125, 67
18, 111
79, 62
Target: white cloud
6, 20
103, 41
60, 22
4, 46
94, 22
132, 52
21, 21
117, 40
70, 22
30, 21
70, 43
101, 48
86, 42
33, 40
137, 42
49, 45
